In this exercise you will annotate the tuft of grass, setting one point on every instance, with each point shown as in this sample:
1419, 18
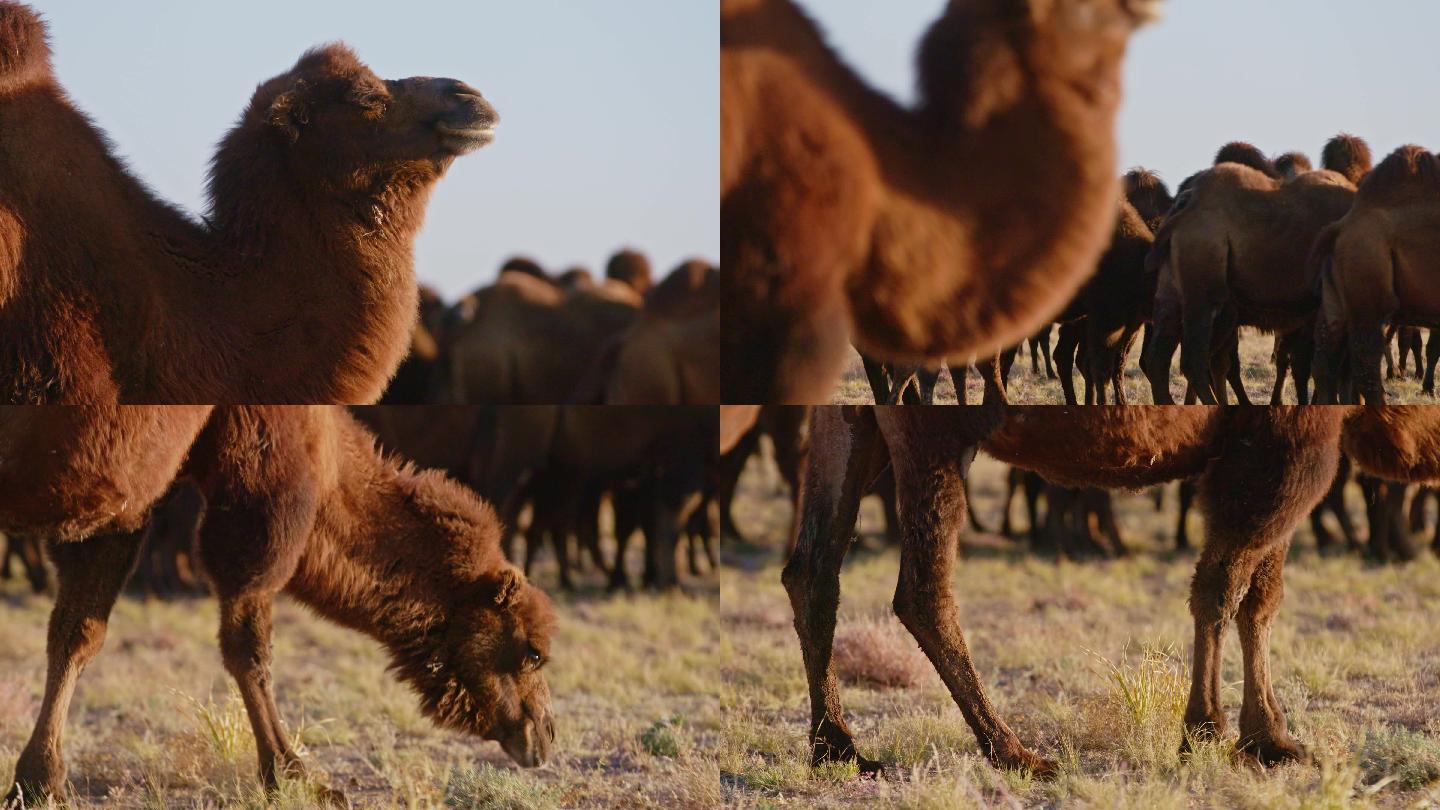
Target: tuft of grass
224, 725
661, 739
1401, 756
490, 788
879, 654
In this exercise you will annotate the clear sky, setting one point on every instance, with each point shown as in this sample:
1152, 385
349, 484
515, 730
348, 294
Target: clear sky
1283, 74
609, 130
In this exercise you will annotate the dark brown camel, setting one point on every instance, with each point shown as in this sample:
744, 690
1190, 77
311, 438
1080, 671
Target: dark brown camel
301, 502
1377, 267
1260, 471
296, 286
671, 354
1234, 254
951, 229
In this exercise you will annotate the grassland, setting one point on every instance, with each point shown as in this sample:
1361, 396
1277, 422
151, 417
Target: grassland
157, 723
1089, 663
1029, 388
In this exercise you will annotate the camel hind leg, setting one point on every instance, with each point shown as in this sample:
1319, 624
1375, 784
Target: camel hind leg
845, 456
1273, 469
91, 574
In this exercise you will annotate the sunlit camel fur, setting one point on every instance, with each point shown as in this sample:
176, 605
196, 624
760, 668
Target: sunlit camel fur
1260, 471
300, 501
947, 230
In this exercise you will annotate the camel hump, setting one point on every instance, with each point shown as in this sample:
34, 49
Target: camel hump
24, 47
1347, 155
1246, 154
1293, 164
1410, 166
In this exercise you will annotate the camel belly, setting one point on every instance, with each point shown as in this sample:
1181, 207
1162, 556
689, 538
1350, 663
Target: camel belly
1119, 446
68, 472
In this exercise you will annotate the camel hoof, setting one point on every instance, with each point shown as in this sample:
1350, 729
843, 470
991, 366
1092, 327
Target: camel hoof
25, 793
869, 768
1267, 753
1037, 766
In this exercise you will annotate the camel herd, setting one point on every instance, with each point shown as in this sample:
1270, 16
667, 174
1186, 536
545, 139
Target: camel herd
990, 212
536, 338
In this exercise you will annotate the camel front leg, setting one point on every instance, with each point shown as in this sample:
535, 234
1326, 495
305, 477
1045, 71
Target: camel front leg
1263, 732
845, 457
91, 574
932, 509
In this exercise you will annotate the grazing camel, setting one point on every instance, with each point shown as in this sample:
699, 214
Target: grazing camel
949, 230
1260, 471
298, 284
1378, 266
300, 501
1234, 254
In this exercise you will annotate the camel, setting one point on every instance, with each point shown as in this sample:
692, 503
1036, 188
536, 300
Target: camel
631, 268
414, 380
530, 342
949, 230
671, 354
1260, 471
108, 294
1378, 267
1234, 254
300, 501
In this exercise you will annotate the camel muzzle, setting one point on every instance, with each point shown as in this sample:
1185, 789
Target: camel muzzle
466, 120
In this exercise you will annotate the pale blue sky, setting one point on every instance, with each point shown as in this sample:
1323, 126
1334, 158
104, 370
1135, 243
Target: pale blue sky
1283, 74
610, 111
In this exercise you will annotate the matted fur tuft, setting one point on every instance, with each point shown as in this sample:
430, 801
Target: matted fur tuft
1347, 155
1408, 166
24, 47
1246, 155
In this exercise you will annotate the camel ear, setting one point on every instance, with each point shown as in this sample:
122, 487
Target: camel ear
290, 111
508, 588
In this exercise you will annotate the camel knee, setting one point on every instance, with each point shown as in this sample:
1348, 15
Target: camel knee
917, 605
78, 639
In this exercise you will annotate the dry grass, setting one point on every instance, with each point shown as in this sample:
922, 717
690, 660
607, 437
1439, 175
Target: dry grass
156, 720
1028, 388
1089, 663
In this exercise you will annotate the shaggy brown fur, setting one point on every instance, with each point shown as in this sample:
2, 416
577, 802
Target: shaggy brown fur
1148, 193
1377, 266
1246, 154
1292, 164
1260, 471
951, 229
297, 286
1235, 255
301, 502
1347, 155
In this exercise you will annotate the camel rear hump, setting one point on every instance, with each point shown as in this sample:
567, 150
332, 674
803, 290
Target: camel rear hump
24, 47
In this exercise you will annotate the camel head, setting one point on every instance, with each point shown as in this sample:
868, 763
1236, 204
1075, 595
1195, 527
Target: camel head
485, 674
331, 115
24, 52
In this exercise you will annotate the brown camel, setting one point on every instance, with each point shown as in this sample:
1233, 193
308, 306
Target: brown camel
1260, 471
298, 284
300, 501
952, 229
631, 268
671, 354
1234, 254
1378, 266
415, 379
528, 341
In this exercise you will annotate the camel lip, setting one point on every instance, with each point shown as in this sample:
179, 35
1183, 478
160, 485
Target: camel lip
466, 137
1147, 11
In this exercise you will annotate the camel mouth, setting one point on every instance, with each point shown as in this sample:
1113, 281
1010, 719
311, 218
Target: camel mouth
1146, 11
462, 138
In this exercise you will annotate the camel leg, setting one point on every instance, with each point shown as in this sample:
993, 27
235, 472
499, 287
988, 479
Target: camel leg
1282, 356
1390, 351
1196, 355
1162, 338
626, 504
91, 574
1302, 364
1263, 732
1272, 470
1187, 498
846, 454
1066, 346
1012, 483
932, 508
1045, 351
878, 377
1432, 356
1366, 346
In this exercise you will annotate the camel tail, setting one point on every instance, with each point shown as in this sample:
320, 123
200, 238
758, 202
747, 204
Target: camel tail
24, 47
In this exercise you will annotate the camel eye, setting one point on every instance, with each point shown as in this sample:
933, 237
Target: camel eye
533, 659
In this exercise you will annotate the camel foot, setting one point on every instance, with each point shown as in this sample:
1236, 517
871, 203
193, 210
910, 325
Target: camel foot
35, 782
833, 746
1017, 757
1266, 752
